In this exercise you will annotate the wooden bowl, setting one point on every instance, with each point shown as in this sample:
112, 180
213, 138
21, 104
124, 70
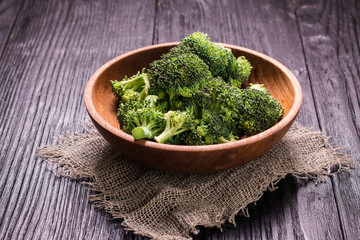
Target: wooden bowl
101, 106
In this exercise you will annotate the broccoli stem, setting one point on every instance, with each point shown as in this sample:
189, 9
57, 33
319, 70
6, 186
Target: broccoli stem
222, 139
259, 87
171, 129
135, 83
165, 135
126, 88
145, 90
141, 132
146, 130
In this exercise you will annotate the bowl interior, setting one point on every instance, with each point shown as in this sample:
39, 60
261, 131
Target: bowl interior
275, 79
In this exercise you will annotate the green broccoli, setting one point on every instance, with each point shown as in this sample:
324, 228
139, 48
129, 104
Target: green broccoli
191, 105
181, 75
214, 129
222, 98
220, 60
259, 110
231, 138
141, 120
132, 104
190, 137
210, 129
192, 96
176, 122
136, 87
149, 123
214, 113
239, 71
259, 87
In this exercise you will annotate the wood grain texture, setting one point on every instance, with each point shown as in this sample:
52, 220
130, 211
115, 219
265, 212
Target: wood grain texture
55, 46
330, 36
9, 10
274, 33
54, 49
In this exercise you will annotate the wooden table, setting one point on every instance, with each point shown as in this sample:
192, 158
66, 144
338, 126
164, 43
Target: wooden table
49, 49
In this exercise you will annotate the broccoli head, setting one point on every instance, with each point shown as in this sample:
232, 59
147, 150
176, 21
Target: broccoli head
231, 138
181, 75
135, 87
222, 98
220, 60
259, 110
239, 71
176, 122
210, 129
193, 96
143, 121
190, 137
214, 129
132, 104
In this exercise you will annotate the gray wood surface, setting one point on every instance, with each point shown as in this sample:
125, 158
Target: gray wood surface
8, 13
330, 37
49, 49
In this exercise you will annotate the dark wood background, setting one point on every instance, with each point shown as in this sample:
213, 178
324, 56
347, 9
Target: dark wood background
49, 49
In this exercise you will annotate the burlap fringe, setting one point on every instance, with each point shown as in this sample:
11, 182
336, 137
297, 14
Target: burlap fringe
66, 166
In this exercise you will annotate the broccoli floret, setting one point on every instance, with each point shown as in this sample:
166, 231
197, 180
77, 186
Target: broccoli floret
259, 111
136, 87
181, 75
152, 99
259, 87
213, 128
222, 98
194, 137
210, 130
220, 60
176, 122
190, 137
191, 105
145, 122
149, 123
130, 94
239, 71
192, 96
132, 104
128, 108
231, 138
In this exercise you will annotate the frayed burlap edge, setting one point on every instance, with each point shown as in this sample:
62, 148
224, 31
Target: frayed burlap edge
70, 166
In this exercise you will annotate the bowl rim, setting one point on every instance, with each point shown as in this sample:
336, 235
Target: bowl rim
190, 148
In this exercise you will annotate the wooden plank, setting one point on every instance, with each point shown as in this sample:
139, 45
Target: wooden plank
8, 12
54, 49
49, 66
330, 35
297, 210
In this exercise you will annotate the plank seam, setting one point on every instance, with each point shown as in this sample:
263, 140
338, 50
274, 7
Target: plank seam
316, 111
12, 29
155, 20
306, 65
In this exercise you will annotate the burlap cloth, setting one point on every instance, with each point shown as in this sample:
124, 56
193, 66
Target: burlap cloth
165, 205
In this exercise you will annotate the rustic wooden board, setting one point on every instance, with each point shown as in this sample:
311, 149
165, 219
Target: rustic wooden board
54, 49
8, 13
303, 210
331, 45
55, 46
